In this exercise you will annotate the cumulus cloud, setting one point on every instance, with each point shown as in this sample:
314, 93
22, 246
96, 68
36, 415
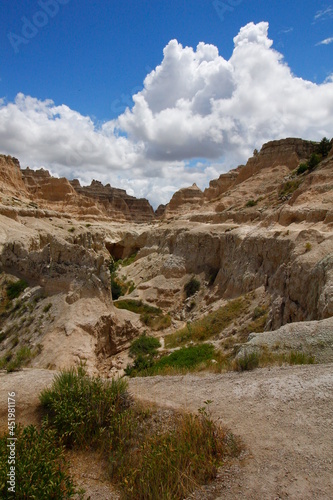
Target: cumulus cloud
327, 41
198, 115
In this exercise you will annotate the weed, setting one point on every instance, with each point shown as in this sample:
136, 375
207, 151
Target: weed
145, 462
308, 246
172, 464
183, 360
71, 229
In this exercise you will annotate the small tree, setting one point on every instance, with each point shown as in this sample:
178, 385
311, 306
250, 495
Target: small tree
324, 147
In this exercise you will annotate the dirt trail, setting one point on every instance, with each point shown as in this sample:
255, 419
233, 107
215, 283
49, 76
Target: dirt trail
284, 416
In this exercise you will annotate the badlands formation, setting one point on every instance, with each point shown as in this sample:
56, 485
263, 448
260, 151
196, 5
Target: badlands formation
263, 231
260, 236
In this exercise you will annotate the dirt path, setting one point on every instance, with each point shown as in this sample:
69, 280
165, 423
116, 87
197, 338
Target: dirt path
284, 417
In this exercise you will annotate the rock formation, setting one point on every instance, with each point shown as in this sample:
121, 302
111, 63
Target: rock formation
263, 231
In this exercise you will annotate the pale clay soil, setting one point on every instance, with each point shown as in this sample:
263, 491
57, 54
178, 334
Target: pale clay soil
283, 416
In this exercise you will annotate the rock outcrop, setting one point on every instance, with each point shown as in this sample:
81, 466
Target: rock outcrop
262, 232
116, 202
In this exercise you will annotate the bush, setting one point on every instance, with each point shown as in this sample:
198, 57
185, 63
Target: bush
40, 467
144, 346
80, 408
314, 161
191, 287
251, 203
14, 290
303, 167
116, 289
324, 147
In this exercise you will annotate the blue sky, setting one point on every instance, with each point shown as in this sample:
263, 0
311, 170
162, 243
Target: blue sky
92, 57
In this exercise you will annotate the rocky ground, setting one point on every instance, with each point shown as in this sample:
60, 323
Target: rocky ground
283, 417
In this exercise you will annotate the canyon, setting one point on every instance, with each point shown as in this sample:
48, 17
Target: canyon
260, 236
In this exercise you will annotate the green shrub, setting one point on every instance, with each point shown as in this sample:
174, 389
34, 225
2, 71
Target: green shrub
251, 203
21, 358
324, 147
80, 408
299, 358
314, 161
137, 306
191, 287
144, 345
129, 260
303, 167
149, 315
14, 290
41, 471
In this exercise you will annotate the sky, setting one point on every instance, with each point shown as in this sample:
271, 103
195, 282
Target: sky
152, 96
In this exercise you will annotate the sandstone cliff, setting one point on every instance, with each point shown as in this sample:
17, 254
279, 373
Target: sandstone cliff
262, 232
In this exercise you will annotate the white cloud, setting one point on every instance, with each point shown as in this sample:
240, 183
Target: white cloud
194, 105
327, 41
323, 15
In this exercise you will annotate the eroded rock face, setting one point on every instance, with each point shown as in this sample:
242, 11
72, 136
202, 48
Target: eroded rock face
185, 199
117, 202
11, 182
245, 233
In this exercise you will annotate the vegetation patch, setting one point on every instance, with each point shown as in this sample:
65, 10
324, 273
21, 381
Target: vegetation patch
191, 287
149, 315
147, 460
21, 358
14, 290
40, 467
289, 187
183, 360
251, 203
210, 325
265, 357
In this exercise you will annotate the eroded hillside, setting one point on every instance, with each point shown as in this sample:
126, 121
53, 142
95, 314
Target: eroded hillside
261, 234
